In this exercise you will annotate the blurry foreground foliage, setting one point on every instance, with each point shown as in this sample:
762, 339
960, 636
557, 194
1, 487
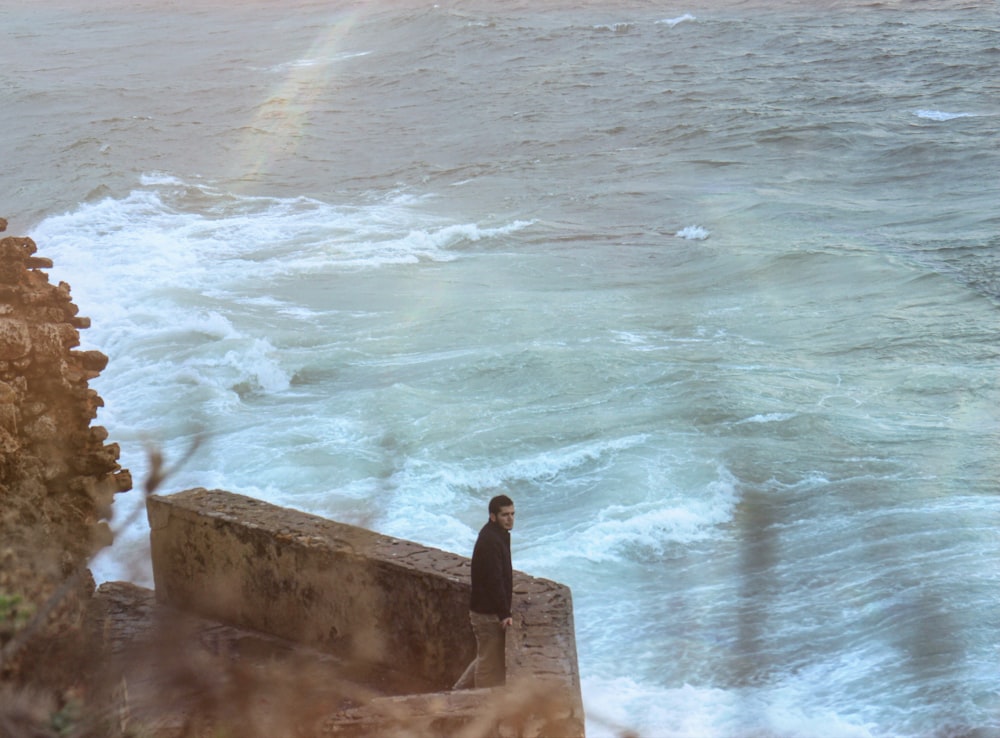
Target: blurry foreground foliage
177, 687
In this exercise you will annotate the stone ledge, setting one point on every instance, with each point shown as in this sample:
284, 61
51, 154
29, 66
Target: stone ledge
171, 670
370, 599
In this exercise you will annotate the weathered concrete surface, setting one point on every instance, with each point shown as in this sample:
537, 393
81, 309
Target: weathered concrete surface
178, 675
373, 600
172, 674
339, 588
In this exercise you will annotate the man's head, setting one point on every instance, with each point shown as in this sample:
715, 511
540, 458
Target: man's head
502, 511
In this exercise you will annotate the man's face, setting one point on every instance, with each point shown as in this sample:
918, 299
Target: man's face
504, 518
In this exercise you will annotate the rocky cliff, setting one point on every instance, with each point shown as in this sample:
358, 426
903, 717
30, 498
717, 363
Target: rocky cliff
57, 474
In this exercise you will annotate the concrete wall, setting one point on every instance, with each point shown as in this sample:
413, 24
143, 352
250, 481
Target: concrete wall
380, 602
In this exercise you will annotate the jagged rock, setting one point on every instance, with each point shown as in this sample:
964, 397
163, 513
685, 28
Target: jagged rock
57, 474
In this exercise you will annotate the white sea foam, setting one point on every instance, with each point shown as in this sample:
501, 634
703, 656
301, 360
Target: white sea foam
630, 339
693, 232
622, 704
430, 244
647, 528
547, 465
171, 224
676, 21
614, 27
421, 486
151, 179
766, 418
171, 237
318, 61
940, 115
544, 465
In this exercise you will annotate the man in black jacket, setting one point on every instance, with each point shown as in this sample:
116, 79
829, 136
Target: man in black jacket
490, 598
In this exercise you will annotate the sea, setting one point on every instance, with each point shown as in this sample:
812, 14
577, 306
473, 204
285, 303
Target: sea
710, 288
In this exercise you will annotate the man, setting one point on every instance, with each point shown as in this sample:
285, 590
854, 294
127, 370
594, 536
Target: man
490, 598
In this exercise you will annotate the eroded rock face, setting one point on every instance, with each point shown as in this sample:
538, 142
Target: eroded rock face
57, 474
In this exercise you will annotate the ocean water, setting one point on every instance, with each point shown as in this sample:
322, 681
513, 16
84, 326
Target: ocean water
711, 289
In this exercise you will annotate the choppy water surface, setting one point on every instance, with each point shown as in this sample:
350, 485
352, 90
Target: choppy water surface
712, 291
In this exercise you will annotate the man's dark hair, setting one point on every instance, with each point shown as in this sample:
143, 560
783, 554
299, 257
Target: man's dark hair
499, 501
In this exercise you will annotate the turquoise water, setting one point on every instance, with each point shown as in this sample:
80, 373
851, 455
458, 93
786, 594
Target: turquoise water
711, 291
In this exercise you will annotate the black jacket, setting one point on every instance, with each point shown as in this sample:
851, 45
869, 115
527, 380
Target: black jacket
492, 577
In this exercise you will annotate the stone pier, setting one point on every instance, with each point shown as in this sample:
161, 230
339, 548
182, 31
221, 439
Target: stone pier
393, 612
